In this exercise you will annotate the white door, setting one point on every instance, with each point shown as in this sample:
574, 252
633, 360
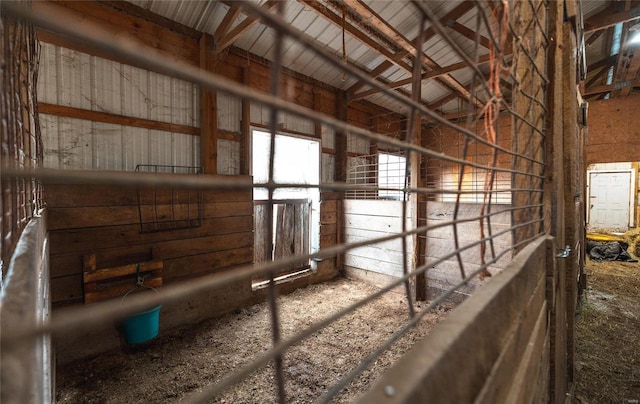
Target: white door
609, 200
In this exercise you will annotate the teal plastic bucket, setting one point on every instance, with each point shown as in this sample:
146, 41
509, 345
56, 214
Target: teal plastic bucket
143, 326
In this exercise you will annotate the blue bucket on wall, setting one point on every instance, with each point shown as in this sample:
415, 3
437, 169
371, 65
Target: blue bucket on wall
143, 326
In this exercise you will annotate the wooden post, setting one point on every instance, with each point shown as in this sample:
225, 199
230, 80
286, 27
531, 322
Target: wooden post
245, 130
555, 208
416, 199
208, 113
340, 173
571, 191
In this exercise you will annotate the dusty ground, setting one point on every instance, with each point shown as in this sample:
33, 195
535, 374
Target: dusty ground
172, 366
608, 334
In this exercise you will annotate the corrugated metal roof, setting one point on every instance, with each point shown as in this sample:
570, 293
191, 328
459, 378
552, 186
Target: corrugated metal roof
401, 15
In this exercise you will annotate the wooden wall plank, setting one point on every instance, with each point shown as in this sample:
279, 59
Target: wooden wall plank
438, 368
63, 241
500, 384
81, 195
71, 263
96, 216
206, 263
104, 221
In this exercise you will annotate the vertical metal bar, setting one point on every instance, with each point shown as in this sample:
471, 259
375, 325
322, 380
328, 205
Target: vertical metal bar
274, 89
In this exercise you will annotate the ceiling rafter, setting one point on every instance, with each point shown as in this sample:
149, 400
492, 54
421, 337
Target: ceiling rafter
427, 75
429, 33
373, 19
601, 65
610, 17
468, 33
593, 37
610, 87
230, 37
631, 73
228, 19
623, 59
336, 20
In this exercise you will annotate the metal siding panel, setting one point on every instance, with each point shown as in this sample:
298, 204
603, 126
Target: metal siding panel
159, 97
75, 143
328, 137
50, 133
73, 78
107, 151
182, 149
229, 112
228, 157
160, 148
47, 73
141, 146
135, 97
328, 167
298, 124
182, 98
256, 113
195, 150
107, 86
128, 148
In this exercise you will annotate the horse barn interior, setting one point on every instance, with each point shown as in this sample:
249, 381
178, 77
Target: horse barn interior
332, 200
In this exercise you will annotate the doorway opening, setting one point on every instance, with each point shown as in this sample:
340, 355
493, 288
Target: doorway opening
611, 195
295, 223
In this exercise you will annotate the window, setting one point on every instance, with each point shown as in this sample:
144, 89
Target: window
386, 171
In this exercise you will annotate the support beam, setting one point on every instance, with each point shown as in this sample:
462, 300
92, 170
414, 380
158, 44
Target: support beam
611, 87
593, 38
245, 129
601, 64
468, 33
632, 72
376, 22
340, 172
336, 20
106, 117
425, 76
608, 19
227, 21
241, 28
208, 113
429, 33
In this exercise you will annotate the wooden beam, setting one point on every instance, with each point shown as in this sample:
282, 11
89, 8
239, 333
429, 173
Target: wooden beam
174, 44
429, 33
241, 28
611, 87
601, 64
416, 180
375, 21
606, 62
468, 32
608, 19
593, 37
208, 112
425, 76
133, 10
106, 117
245, 129
227, 21
595, 78
632, 72
336, 20
340, 172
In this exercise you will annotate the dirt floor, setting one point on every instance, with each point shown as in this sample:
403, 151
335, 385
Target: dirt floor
608, 334
172, 366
